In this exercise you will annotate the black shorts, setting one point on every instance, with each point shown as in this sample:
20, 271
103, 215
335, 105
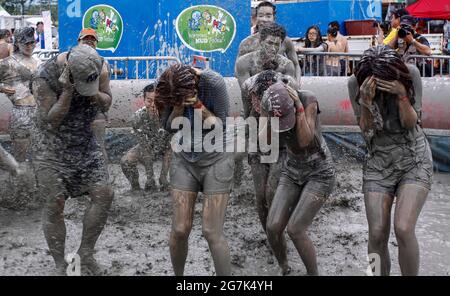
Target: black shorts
71, 177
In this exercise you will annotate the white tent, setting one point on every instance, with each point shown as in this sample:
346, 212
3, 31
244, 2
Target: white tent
3, 12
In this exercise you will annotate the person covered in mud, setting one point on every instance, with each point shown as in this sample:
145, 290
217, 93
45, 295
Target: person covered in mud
198, 99
265, 15
89, 37
151, 138
16, 72
307, 176
68, 160
386, 96
6, 48
265, 175
271, 37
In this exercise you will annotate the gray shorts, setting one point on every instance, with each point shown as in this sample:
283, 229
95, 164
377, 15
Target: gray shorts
315, 175
215, 178
72, 176
388, 169
21, 124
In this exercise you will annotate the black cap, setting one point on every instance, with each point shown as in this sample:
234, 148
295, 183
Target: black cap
408, 20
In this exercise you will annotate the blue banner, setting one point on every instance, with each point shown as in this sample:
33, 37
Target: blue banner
148, 28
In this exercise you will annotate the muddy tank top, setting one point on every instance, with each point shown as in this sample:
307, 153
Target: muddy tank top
75, 129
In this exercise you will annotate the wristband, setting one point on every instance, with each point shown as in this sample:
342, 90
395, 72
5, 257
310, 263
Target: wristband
198, 105
300, 110
403, 98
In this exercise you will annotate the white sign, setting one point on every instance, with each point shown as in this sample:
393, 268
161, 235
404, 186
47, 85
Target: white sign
47, 19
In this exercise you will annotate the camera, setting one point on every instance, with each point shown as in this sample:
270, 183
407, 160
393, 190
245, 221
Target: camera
332, 31
404, 31
385, 26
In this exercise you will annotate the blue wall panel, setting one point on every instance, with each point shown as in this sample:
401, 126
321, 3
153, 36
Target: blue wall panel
149, 28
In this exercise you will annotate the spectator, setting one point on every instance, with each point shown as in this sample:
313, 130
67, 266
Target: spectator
337, 43
409, 42
40, 38
446, 45
313, 43
395, 25
6, 48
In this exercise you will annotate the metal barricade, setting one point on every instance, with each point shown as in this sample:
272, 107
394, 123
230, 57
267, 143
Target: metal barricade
426, 64
316, 63
116, 71
321, 63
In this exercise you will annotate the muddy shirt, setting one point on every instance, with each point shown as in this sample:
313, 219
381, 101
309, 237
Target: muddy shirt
147, 129
16, 71
318, 145
388, 130
212, 92
74, 135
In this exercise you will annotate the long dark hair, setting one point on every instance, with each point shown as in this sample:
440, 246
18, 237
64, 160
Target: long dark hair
177, 83
385, 63
318, 42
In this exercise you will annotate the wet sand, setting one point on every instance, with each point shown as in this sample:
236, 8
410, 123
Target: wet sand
135, 240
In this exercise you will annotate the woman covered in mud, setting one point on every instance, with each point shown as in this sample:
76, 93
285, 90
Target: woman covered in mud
16, 72
386, 96
197, 97
307, 177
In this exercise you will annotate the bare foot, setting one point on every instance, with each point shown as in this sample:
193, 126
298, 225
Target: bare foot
90, 267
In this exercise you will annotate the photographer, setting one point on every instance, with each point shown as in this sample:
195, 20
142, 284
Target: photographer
409, 42
390, 40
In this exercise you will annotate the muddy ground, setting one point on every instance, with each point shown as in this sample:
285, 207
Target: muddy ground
135, 240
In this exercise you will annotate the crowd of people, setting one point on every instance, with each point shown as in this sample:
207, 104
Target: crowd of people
57, 103
314, 45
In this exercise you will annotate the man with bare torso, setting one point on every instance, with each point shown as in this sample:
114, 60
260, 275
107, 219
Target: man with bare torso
267, 57
265, 14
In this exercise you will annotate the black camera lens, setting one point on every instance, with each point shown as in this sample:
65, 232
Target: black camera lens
402, 33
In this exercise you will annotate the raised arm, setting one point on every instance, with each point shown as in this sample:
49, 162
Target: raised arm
305, 120
104, 96
50, 108
291, 54
241, 70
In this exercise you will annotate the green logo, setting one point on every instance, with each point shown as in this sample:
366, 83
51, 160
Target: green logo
206, 28
108, 24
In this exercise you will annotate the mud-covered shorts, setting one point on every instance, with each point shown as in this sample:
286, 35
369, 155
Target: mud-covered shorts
73, 175
315, 174
215, 178
21, 124
393, 166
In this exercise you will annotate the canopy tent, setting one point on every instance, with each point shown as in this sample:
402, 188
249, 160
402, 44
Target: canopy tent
3, 12
432, 9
